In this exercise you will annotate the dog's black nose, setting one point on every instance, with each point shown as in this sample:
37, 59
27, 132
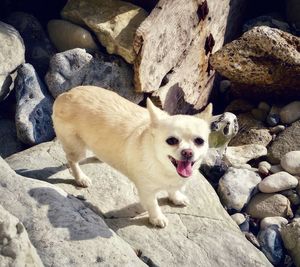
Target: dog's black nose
187, 153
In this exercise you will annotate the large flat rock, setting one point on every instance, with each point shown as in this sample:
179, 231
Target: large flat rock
63, 230
201, 234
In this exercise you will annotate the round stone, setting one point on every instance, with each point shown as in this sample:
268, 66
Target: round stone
277, 129
269, 205
277, 220
290, 113
224, 85
66, 35
264, 167
259, 114
277, 182
291, 162
276, 168
264, 106
239, 218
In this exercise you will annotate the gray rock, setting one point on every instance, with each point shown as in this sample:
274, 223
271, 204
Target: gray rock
15, 246
12, 54
259, 114
236, 187
290, 113
271, 244
77, 67
291, 162
62, 229
66, 35
264, 106
286, 141
239, 155
291, 235
224, 86
251, 132
264, 63
273, 119
278, 182
277, 129
9, 143
268, 221
34, 108
114, 196
269, 205
38, 47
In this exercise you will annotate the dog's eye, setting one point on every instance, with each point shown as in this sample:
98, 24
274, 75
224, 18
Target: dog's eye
198, 141
172, 141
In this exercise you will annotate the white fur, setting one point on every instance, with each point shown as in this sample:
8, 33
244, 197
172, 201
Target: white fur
131, 139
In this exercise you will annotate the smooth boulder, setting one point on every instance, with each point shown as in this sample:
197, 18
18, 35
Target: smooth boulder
12, 54
115, 197
34, 107
290, 113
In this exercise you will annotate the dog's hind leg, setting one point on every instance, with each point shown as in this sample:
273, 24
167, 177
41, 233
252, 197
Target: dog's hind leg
75, 150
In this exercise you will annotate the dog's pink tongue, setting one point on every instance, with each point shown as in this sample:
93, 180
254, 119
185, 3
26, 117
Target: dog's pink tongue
184, 168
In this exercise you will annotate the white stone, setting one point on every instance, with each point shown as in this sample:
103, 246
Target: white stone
238, 155
264, 167
277, 129
236, 187
278, 182
291, 162
290, 113
276, 220
239, 218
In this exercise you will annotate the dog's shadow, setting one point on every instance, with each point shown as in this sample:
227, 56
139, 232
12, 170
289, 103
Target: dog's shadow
133, 214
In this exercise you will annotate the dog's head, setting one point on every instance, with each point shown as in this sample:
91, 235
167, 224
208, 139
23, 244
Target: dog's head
180, 141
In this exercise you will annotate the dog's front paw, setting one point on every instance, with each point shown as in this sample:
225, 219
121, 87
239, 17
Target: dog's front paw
84, 181
179, 199
159, 221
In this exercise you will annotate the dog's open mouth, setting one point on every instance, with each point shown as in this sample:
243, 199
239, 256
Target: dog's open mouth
183, 167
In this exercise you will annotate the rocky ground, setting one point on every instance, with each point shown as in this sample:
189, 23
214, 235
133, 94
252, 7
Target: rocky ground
244, 211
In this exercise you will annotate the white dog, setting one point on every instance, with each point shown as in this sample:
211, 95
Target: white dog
155, 150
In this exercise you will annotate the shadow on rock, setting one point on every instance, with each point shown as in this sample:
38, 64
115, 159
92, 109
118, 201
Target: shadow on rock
69, 212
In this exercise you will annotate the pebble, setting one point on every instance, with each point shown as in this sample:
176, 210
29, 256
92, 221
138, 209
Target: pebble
278, 182
271, 244
252, 238
277, 129
264, 167
259, 114
66, 35
290, 113
276, 168
238, 155
239, 218
264, 106
291, 162
236, 187
224, 85
34, 108
273, 119
269, 205
277, 220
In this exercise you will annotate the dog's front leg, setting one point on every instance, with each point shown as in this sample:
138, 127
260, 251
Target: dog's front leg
149, 202
178, 198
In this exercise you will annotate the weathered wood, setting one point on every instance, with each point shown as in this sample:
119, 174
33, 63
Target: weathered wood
174, 44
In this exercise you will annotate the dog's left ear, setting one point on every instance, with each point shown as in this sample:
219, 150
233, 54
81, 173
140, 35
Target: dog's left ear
155, 113
206, 114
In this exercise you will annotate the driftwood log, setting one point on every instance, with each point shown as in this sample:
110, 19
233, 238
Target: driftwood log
174, 44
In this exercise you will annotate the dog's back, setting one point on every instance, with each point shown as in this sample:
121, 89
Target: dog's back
89, 115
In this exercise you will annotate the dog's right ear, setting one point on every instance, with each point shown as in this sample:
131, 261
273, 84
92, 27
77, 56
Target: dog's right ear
206, 114
155, 113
